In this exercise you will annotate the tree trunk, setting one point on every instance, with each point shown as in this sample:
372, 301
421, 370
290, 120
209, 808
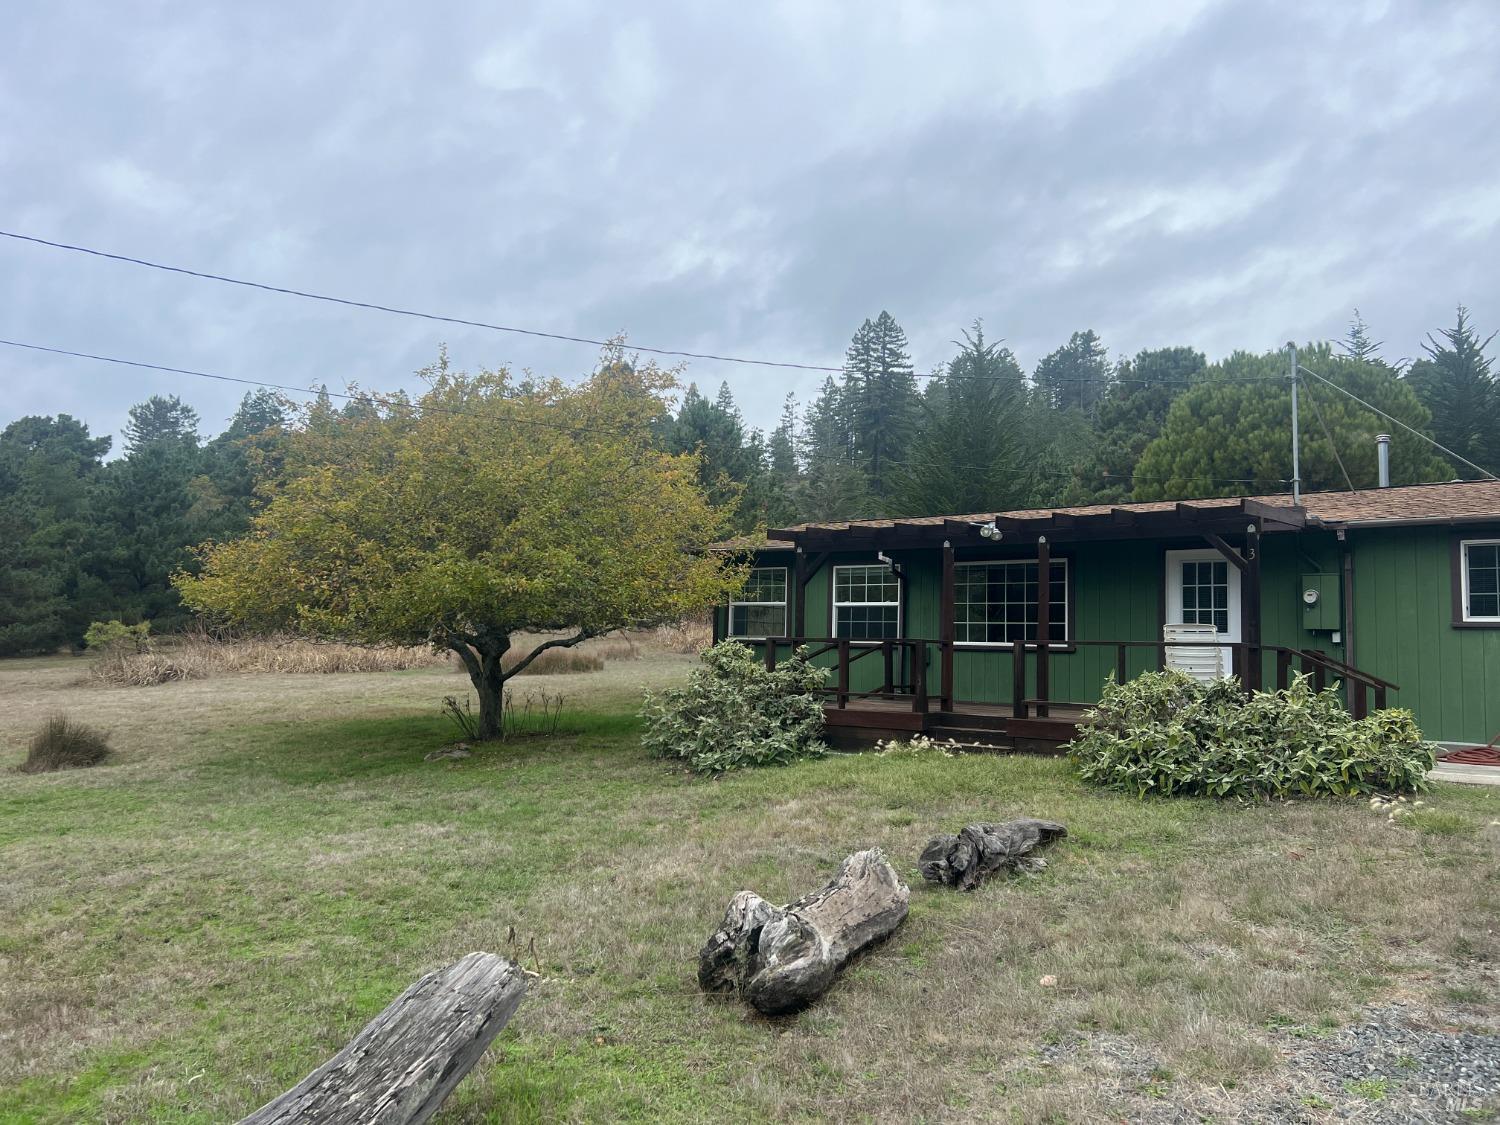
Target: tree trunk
968, 859
408, 1059
781, 959
484, 661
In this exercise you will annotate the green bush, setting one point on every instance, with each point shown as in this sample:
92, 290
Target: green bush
117, 636
62, 744
734, 713
1165, 733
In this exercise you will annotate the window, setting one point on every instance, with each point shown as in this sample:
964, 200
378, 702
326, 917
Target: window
1481, 580
760, 610
1205, 594
866, 603
996, 602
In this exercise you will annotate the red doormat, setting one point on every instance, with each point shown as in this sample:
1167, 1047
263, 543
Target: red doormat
1474, 756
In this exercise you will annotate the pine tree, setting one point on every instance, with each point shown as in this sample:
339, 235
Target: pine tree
882, 400
1229, 434
731, 462
49, 469
1455, 383
1076, 376
971, 453
160, 418
1131, 416
783, 467
1357, 344
834, 485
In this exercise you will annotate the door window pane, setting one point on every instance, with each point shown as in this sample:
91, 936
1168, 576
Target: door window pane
1205, 594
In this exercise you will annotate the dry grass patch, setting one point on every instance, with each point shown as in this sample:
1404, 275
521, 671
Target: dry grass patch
63, 744
198, 657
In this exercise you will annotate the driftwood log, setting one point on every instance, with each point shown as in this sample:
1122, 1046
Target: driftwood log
407, 1059
968, 859
781, 958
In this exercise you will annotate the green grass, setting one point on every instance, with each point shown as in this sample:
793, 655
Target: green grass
189, 931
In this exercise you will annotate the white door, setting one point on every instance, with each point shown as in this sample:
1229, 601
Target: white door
1203, 588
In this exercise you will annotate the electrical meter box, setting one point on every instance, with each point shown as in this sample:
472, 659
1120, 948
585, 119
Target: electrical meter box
1321, 608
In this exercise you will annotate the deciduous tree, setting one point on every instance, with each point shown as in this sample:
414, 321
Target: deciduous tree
483, 510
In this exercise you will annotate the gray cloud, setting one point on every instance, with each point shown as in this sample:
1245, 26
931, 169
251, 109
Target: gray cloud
749, 179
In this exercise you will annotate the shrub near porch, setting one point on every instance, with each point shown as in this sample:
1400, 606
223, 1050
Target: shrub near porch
1167, 734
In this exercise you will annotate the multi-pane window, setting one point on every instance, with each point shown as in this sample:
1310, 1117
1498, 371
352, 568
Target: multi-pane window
760, 609
866, 603
996, 602
1205, 594
1481, 577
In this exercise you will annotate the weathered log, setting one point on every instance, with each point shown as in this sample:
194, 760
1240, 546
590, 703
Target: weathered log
782, 958
409, 1058
968, 859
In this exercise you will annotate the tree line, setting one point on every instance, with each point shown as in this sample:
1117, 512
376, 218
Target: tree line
85, 538
978, 434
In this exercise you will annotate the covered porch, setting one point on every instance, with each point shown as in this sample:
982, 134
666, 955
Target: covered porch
954, 651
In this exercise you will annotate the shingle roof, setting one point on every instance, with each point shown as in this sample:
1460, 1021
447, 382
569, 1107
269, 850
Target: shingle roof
1449, 502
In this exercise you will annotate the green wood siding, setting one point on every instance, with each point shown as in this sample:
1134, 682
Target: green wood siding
1450, 678
1403, 590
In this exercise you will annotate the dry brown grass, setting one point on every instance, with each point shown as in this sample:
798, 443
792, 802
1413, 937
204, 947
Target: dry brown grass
200, 657
63, 744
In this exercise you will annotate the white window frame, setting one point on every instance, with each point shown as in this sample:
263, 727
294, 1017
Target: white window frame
1067, 618
786, 578
1463, 577
835, 605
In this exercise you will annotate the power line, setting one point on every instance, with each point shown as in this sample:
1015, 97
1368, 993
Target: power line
445, 319
1312, 399
396, 310
377, 397
1403, 425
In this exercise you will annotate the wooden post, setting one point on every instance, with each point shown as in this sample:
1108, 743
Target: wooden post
843, 671
1250, 609
1120, 669
919, 678
1283, 669
799, 597
947, 628
1018, 679
1043, 625
887, 686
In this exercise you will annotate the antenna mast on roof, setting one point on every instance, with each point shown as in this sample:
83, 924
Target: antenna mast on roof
1291, 373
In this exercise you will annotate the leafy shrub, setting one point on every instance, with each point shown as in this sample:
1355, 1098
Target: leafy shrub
1166, 733
734, 713
62, 744
112, 635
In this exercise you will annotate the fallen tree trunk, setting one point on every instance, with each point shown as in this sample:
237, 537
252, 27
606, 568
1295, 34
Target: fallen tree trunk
781, 958
968, 859
407, 1060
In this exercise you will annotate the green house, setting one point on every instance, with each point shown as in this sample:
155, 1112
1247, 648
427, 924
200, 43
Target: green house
933, 623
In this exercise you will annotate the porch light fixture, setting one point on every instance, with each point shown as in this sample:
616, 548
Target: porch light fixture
990, 531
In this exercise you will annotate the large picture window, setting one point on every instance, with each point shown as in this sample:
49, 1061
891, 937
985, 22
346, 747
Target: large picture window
996, 602
1480, 564
866, 603
760, 610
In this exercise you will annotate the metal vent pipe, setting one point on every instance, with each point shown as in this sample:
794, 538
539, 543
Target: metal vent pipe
1383, 459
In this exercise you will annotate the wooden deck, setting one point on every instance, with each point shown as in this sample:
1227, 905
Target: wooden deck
865, 721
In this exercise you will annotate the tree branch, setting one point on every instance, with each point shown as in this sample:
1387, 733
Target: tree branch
560, 642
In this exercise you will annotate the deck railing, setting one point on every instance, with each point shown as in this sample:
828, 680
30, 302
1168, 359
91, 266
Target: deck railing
904, 668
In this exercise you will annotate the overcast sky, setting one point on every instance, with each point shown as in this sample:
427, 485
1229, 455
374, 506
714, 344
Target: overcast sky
749, 179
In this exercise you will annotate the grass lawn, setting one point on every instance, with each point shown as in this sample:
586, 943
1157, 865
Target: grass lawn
268, 861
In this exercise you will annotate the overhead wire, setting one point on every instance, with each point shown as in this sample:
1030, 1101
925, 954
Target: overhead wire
1397, 421
467, 322
1312, 399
